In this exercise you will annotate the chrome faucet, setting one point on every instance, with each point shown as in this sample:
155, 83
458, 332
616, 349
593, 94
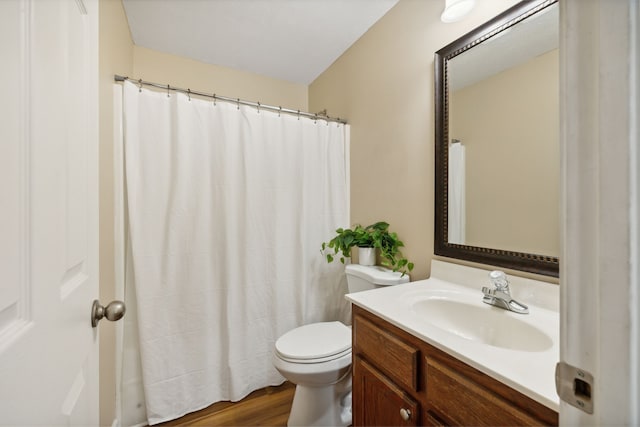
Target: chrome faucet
500, 295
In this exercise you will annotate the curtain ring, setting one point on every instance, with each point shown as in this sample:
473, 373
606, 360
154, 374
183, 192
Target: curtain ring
298, 114
279, 111
238, 104
214, 99
189, 94
258, 108
315, 120
168, 89
140, 85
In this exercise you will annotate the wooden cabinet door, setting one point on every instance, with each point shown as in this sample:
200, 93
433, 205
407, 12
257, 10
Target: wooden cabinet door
378, 401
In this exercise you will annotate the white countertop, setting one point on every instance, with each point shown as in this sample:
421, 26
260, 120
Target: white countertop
529, 369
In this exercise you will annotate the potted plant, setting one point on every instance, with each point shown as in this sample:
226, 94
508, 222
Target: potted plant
376, 236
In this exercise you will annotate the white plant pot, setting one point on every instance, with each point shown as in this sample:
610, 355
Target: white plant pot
367, 256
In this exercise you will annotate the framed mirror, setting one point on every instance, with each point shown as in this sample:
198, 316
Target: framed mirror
497, 142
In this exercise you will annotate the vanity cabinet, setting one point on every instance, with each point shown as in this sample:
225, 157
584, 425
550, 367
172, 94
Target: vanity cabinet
400, 380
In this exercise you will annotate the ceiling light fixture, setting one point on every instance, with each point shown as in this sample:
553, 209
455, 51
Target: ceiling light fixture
455, 10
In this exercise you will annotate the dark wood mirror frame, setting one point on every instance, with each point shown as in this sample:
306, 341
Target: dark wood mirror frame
540, 264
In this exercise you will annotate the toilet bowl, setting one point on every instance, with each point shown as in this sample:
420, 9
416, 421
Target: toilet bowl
317, 358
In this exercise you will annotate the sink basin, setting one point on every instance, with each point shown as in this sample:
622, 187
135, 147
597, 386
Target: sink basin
483, 323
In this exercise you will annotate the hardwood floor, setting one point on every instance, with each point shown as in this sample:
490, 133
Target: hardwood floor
267, 407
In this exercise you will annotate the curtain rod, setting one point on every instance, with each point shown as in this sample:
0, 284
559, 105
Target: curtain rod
257, 105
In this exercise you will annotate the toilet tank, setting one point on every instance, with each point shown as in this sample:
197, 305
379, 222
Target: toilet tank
365, 277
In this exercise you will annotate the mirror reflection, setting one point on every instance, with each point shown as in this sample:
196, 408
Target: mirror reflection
504, 127
502, 137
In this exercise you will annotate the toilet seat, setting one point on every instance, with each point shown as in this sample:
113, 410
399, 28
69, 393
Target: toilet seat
315, 343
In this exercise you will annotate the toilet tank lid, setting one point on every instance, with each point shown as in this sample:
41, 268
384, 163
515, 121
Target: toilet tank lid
376, 274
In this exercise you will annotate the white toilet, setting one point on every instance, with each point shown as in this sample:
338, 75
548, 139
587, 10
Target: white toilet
317, 358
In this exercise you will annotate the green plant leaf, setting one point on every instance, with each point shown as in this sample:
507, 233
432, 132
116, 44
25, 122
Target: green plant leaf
376, 235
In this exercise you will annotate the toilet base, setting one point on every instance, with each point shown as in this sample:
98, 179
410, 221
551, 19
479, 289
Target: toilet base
322, 406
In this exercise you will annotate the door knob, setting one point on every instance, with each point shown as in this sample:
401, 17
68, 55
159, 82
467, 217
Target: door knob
405, 414
113, 311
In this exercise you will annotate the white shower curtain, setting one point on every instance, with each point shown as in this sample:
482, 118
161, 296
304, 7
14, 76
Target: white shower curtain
456, 185
227, 209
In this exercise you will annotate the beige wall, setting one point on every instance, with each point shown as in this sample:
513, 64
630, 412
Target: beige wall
512, 157
186, 73
116, 57
384, 85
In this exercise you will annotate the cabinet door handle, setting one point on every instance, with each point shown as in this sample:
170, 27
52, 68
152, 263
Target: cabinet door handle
405, 414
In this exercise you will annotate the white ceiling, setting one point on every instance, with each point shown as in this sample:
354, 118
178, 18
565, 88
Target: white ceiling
292, 40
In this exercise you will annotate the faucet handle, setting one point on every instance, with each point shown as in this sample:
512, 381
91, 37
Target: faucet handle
499, 280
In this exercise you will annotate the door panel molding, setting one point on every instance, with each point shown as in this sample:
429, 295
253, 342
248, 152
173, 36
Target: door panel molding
15, 292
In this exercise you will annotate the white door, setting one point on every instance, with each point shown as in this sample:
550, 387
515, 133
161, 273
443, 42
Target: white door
600, 262
48, 212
